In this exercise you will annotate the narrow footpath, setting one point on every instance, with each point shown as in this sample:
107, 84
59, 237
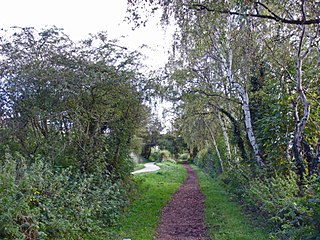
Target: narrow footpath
183, 217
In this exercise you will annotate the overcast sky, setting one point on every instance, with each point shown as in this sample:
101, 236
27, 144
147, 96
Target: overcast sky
80, 17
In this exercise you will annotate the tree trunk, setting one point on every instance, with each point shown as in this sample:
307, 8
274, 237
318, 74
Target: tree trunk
226, 140
301, 123
215, 145
193, 153
236, 133
249, 129
310, 156
146, 151
246, 108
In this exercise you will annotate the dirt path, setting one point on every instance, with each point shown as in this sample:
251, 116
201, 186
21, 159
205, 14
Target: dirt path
183, 217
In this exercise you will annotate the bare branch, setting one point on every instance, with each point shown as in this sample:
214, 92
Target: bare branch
214, 95
272, 16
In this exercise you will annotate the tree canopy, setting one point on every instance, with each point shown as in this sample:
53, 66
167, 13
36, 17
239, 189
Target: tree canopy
244, 79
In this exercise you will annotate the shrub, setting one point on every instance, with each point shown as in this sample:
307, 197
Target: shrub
39, 202
184, 157
154, 156
206, 160
279, 201
164, 155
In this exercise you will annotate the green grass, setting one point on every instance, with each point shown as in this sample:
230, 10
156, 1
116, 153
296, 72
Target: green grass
224, 218
140, 219
138, 166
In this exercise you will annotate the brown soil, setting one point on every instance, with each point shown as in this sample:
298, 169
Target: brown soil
183, 217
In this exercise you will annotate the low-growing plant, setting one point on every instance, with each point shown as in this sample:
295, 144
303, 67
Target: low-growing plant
279, 201
38, 201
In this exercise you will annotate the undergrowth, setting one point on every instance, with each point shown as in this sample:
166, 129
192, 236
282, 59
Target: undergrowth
290, 211
278, 199
224, 217
38, 201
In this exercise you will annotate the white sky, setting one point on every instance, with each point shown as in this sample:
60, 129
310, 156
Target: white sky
80, 17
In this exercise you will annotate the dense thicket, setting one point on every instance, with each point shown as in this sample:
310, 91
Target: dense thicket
68, 112
244, 76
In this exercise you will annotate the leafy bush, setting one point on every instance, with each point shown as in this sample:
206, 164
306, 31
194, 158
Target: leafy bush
279, 201
154, 156
160, 155
206, 160
184, 157
164, 155
40, 202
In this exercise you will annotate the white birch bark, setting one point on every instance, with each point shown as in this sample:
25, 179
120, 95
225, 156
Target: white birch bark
248, 124
226, 140
302, 96
227, 63
302, 122
215, 145
246, 108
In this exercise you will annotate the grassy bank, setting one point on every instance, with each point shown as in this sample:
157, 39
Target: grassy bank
224, 218
142, 216
139, 166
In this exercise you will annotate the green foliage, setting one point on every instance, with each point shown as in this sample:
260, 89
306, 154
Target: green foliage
164, 155
172, 142
159, 155
154, 156
136, 145
208, 161
41, 202
76, 103
261, 74
224, 218
279, 202
184, 157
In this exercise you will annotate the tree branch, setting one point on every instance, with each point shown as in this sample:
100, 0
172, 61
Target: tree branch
272, 16
214, 95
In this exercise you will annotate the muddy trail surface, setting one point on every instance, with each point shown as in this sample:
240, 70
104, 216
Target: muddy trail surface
183, 217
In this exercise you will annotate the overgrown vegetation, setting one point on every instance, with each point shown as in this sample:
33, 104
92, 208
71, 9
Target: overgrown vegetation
42, 202
243, 78
224, 217
68, 112
277, 201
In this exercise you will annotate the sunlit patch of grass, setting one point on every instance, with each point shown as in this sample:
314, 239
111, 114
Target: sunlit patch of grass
224, 218
140, 219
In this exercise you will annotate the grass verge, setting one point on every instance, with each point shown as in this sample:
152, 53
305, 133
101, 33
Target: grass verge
140, 219
139, 166
225, 219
